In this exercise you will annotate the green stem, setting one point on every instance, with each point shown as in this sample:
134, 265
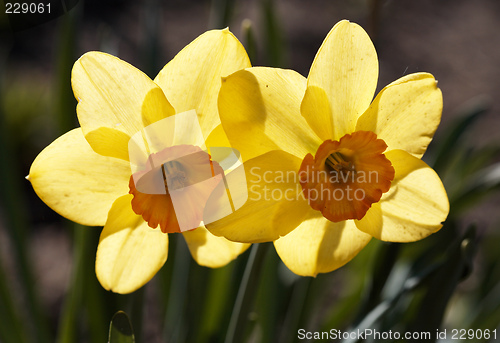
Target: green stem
216, 302
73, 303
137, 312
175, 329
64, 107
296, 308
246, 294
65, 103
95, 298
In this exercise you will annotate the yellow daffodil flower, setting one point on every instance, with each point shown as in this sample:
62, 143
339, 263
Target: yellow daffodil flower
328, 168
85, 175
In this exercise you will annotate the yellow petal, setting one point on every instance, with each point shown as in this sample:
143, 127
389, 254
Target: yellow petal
130, 253
211, 251
406, 113
320, 246
346, 68
317, 111
76, 182
109, 142
114, 94
260, 112
415, 206
275, 204
217, 138
192, 79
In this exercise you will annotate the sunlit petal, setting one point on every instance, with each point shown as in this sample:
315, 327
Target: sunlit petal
217, 138
415, 206
346, 68
130, 253
114, 94
76, 182
317, 111
275, 204
211, 251
109, 142
320, 246
406, 113
260, 112
192, 79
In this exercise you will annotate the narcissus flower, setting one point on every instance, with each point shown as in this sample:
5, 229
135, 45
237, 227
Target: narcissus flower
86, 175
327, 167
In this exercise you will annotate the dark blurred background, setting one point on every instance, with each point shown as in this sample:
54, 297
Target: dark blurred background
458, 41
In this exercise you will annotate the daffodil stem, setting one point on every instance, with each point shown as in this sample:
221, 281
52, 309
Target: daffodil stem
175, 325
73, 300
65, 101
64, 105
296, 308
216, 301
137, 312
95, 297
246, 293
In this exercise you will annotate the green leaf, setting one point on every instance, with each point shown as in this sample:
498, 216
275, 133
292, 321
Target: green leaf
481, 184
120, 329
437, 279
441, 286
71, 311
218, 301
383, 264
447, 148
237, 329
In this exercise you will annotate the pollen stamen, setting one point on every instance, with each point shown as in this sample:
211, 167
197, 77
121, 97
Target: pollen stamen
338, 162
173, 175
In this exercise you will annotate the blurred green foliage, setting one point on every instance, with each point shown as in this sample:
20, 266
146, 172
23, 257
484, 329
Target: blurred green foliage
120, 329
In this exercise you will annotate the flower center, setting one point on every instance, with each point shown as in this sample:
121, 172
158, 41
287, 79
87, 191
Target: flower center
338, 163
346, 177
173, 188
174, 175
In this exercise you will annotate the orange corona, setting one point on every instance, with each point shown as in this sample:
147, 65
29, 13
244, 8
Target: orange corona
347, 176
